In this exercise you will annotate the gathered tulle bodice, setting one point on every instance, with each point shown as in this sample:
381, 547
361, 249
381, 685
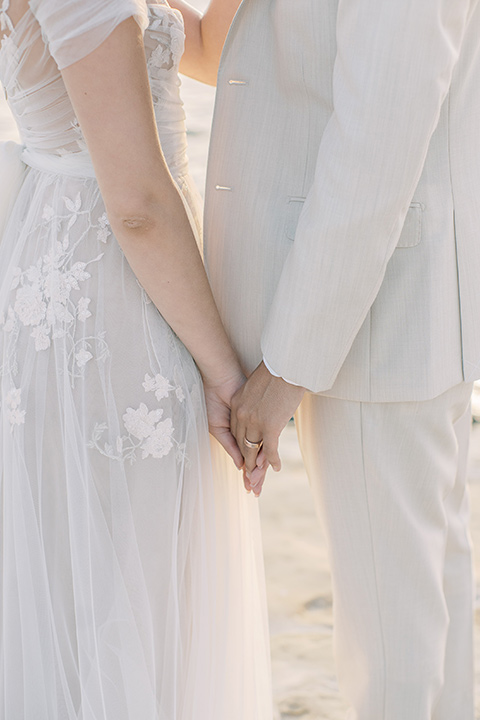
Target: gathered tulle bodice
39, 101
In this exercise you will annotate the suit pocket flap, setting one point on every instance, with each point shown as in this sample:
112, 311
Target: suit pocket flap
412, 228
410, 236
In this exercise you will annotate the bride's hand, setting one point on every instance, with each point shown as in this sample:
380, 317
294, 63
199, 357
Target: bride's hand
218, 397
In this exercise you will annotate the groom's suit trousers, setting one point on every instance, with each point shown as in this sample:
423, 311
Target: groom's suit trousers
389, 481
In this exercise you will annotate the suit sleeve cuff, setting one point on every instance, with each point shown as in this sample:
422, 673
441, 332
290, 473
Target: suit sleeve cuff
275, 374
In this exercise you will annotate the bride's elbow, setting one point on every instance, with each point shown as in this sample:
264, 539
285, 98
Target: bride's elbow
136, 222
144, 216
134, 218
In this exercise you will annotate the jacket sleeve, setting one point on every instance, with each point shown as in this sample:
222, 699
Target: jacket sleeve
75, 28
392, 73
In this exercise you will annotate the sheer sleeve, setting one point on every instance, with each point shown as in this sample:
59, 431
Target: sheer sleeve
74, 28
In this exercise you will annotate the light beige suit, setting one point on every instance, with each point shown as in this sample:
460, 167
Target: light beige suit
342, 235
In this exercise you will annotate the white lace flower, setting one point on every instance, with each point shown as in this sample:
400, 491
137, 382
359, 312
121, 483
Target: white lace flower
103, 234
16, 416
13, 398
12, 402
82, 309
56, 287
141, 422
159, 442
177, 44
146, 430
82, 357
159, 385
34, 273
78, 272
180, 394
48, 213
29, 305
41, 337
61, 314
43, 294
161, 56
149, 384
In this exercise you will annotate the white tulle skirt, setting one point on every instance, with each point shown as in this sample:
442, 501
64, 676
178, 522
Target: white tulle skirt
132, 578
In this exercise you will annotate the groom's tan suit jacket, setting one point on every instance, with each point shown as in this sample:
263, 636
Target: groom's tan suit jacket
342, 224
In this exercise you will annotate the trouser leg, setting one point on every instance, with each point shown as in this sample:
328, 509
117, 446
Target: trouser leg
457, 697
384, 476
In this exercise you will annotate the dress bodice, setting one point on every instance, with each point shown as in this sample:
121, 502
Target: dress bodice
40, 103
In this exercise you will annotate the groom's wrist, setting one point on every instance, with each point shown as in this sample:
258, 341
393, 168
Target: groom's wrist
275, 374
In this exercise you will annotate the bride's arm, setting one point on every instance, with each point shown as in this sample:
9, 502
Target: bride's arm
205, 36
110, 92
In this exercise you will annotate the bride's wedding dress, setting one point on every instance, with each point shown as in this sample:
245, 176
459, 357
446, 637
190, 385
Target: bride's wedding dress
131, 575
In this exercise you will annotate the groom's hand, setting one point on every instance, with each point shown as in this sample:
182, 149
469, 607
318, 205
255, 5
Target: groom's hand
260, 411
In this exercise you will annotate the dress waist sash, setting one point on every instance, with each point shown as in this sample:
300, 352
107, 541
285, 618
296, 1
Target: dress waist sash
77, 165
15, 158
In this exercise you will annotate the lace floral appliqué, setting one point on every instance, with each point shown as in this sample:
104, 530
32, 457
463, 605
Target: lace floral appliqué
147, 431
13, 401
168, 31
43, 294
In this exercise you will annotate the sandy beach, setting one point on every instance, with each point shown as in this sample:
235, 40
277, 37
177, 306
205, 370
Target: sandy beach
298, 581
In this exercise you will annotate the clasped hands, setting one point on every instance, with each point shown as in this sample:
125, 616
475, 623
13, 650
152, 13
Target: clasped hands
257, 410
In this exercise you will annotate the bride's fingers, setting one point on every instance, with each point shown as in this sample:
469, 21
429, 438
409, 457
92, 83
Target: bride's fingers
228, 442
246, 481
261, 458
257, 478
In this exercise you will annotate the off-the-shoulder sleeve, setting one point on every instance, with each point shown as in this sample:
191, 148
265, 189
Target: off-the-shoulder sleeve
74, 28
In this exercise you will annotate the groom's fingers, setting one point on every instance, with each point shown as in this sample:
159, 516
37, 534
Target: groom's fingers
270, 450
250, 455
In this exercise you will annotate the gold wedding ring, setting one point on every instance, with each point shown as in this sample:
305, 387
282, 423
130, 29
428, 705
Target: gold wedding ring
252, 445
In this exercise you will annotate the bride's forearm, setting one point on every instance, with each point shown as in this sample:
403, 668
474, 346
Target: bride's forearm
160, 247
205, 37
112, 98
